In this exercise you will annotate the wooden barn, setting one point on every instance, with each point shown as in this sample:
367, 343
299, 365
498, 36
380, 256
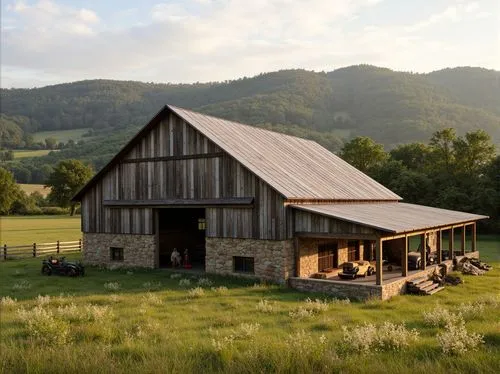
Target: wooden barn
248, 201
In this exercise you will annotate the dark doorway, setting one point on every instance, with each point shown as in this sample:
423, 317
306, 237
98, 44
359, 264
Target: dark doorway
369, 250
327, 256
181, 229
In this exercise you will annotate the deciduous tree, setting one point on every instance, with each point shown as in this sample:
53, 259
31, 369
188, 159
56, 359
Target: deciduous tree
9, 191
68, 177
364, 154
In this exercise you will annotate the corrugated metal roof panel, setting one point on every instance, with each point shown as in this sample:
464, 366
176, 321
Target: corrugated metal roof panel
295, 167
393, 217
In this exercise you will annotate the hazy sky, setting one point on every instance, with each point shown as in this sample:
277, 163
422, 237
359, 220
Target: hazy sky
46, 42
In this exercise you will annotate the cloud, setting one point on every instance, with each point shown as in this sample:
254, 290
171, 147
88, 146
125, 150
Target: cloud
202, 40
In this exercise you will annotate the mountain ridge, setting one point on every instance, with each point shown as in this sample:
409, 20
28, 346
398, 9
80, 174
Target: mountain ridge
391, 107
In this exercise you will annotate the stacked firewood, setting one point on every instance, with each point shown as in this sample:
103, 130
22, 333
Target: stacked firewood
471, 266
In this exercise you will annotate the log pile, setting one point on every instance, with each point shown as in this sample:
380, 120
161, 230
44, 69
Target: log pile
471, 266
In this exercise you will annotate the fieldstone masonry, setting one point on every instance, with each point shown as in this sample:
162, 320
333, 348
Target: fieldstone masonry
138, 250
273, 259
308, 249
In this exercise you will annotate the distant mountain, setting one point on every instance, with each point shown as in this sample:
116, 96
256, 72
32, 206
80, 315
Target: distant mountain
391, 107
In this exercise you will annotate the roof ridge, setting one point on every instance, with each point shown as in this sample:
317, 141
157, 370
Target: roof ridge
173, 107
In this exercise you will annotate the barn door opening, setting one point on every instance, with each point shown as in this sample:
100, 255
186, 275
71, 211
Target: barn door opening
181, 228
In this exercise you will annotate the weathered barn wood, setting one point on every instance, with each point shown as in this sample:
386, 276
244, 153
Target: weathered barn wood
174, 162
314, 223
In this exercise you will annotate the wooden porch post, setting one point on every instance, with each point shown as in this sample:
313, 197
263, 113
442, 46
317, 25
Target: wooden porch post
473, 239
297, 256
451, 239
423, 260
462, 241
440, 246
404, 259
378, 259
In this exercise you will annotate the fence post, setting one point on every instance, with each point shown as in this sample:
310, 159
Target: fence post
34, 249
58, 247
80, 245
5, 251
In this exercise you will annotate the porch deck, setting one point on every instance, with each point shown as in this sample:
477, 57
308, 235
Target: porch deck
389, 276
366, 288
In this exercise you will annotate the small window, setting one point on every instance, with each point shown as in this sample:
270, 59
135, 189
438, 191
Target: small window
202, 224
116, 253
243, 264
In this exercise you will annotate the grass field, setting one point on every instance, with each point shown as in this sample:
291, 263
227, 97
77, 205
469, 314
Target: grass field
30, 188
20, 230
30, 153
61, 135
153, 322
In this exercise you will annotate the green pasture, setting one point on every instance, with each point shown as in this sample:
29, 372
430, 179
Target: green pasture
31, 153
30, 188
19, 230
117, 321
61, 135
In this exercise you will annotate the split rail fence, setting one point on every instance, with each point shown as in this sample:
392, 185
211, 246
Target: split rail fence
39, 249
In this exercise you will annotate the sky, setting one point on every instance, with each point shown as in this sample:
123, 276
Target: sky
55, 41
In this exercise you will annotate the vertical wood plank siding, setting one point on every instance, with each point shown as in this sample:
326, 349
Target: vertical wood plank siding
315, 223
199, 178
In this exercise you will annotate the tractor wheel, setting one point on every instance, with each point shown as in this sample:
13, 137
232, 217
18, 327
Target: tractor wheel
370, 271
71, 272
46, 270
418, 265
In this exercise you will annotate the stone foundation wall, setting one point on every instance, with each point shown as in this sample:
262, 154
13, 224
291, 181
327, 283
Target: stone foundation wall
353, 291
343, 254
308, 251
138, 250
273, 260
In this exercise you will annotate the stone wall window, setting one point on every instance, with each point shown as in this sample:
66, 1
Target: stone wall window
243, 264
116, 253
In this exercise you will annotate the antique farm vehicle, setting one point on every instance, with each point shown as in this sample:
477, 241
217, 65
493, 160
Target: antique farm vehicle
353, 269
60, 266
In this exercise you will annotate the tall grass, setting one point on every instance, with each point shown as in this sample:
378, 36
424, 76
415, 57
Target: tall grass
153, 324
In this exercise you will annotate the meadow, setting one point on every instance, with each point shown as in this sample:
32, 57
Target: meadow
19, 230
31, 153
30, 188
116, 321
60, 135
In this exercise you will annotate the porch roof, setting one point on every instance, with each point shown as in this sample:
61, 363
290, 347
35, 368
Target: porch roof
393, 217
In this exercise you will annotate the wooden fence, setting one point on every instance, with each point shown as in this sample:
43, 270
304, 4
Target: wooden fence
37, 249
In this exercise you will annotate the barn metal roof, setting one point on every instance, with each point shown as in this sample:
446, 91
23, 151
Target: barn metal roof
295, 167
394, 217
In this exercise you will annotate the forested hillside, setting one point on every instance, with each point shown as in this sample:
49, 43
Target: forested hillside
391, 107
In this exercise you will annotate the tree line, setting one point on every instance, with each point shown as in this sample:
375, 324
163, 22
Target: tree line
388, 106
451, 172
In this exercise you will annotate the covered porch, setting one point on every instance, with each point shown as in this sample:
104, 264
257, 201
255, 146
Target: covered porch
400, 241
